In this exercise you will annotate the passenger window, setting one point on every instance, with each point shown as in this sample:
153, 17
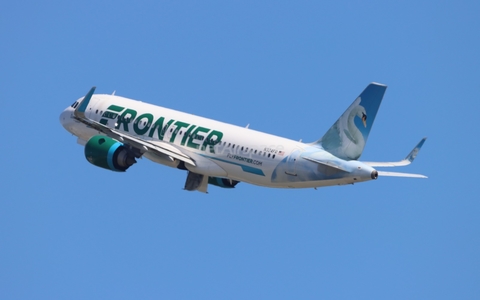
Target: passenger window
273, 156
268, 154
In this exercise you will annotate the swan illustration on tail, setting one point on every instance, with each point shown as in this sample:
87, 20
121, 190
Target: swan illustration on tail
347, 137
335, 156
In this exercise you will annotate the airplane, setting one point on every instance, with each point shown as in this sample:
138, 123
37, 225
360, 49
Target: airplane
116, 131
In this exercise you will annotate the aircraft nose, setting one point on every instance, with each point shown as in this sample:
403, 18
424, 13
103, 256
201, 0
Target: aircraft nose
62, 117
65, 116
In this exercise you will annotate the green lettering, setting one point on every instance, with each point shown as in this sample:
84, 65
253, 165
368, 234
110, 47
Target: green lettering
138, 122
187, 134
180, 125
211, 141
166, 127
125, 118
190, 143
115, 108
158, 125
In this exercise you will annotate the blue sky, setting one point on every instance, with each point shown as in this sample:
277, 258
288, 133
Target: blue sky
69, 230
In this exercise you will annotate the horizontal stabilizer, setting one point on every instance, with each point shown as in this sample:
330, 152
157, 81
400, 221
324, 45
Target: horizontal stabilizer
408, 160
396, 174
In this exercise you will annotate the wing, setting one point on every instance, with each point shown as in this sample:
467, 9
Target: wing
156, 147
408, 160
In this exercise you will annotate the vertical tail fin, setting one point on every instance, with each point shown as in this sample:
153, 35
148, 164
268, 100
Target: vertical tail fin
346, 139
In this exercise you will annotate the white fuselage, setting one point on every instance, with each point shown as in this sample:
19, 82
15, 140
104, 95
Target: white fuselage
240, 153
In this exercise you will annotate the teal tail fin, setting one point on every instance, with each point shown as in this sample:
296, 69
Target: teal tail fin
346, 139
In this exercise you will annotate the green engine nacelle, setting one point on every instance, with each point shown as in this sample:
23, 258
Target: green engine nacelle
107, 153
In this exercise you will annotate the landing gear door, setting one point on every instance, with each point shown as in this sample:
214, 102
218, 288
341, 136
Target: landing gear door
291, 162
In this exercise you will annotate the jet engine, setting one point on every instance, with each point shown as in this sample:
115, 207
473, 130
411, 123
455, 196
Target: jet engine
107, 153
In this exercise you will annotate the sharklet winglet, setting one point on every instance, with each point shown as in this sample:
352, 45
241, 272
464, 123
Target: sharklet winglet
79, 112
